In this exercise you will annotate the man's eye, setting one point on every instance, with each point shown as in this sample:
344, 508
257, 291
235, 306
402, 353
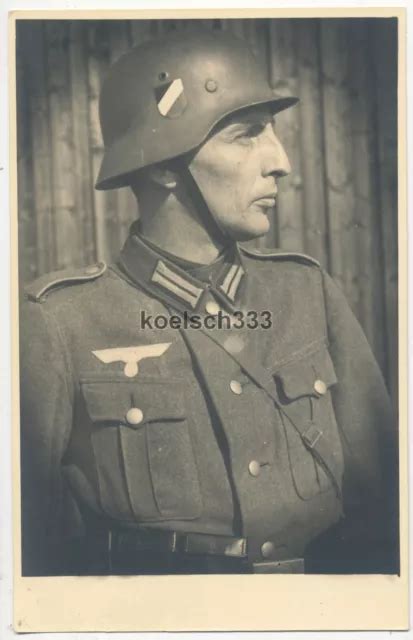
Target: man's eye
251, 132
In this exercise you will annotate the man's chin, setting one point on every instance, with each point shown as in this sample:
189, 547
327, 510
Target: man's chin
250, 232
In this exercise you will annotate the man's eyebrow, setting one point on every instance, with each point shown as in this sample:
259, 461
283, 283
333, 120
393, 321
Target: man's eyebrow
234, 122
246, 122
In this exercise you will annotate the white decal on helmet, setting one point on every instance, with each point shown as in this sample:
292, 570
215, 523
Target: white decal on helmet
171, 95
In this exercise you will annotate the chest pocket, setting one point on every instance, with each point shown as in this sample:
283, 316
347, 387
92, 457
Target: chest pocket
313, 441
143, 452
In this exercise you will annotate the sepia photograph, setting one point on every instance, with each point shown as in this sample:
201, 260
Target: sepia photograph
208, 296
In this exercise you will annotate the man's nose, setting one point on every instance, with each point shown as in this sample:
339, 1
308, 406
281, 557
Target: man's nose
274, 157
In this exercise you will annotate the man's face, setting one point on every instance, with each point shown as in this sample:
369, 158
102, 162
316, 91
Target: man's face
236, 170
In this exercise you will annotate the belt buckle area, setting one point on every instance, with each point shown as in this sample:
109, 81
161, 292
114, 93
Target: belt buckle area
210, 545
293, 565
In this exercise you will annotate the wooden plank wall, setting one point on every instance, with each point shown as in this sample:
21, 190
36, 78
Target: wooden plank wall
339, 204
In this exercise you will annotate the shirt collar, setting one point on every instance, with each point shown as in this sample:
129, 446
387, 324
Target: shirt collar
186, 289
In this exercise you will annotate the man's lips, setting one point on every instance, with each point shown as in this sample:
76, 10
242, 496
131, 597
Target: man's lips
266, 201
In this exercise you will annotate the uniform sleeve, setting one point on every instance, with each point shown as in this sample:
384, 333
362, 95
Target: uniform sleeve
368, 433
45, 421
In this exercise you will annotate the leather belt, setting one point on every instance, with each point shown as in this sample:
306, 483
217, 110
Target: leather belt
177, 542
126, 545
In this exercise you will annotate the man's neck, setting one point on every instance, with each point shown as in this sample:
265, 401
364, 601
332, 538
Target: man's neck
177, 229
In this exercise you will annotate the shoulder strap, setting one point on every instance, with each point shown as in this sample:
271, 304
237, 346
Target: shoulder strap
279, 254
38, 290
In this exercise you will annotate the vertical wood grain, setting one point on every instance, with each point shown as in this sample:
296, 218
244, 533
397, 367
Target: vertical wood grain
120, 42
364, 163
234, 26
385, 56
27, 258
82, 169
67, 231
283, 78
40, 152
343, 258
256, 33
104, 211
311, 139
190, 24
140, 31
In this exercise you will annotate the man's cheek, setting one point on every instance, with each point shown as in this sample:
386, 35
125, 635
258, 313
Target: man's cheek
234, 200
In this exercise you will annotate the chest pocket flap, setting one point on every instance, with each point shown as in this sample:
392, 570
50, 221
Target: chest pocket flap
309, 375
142, 443
313, 440
112, 401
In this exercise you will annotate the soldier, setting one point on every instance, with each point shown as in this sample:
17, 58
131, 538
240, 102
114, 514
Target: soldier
200, 407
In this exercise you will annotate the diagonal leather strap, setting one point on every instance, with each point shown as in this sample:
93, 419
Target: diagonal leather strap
311, 437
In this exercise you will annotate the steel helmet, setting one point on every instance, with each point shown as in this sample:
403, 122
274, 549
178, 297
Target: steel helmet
161, 99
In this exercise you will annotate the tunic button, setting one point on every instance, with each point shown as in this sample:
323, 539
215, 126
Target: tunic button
235, 387
267, 549
134, 416
320, 387
234, 344
254, 468
212, 308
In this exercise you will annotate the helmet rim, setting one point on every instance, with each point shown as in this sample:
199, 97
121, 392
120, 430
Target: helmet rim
110, 178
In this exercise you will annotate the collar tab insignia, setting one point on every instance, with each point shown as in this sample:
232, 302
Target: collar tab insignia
232, 281
174, 283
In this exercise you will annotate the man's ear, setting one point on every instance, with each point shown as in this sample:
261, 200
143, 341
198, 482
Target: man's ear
164, 177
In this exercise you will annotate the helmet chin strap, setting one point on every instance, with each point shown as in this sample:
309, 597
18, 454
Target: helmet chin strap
216, 232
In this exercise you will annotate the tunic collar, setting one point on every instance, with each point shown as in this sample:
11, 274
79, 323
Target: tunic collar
186, 289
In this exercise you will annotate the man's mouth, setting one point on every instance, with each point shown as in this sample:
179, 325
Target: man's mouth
267, 200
